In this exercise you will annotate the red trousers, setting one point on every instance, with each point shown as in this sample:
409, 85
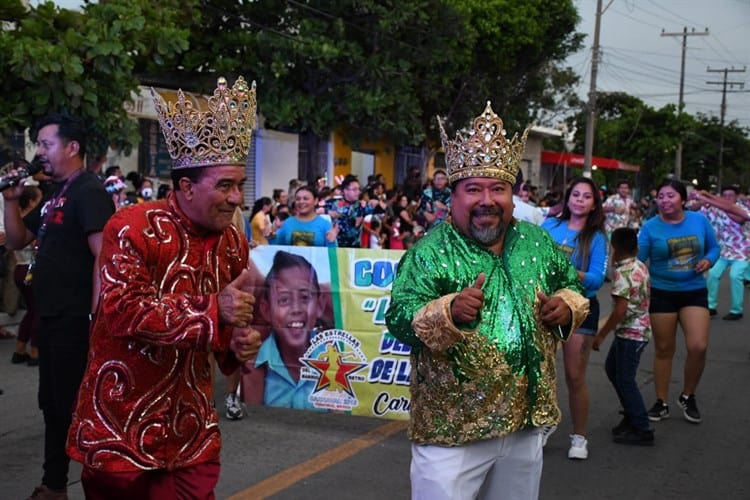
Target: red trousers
196, 482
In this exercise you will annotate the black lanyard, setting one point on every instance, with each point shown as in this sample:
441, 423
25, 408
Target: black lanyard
51, 204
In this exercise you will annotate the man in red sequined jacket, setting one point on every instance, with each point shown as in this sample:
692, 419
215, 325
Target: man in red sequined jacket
173, 280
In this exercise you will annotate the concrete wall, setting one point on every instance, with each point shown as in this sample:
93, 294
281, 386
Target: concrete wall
276, 161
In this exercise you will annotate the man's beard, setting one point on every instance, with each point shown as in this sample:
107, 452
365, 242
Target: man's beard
486, 235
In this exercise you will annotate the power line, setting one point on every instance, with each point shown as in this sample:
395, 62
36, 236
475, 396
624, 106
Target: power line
675, 14
684, 34
643, 70
640, 21
724, 84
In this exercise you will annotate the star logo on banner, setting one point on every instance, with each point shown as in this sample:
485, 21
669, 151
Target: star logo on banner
333, 369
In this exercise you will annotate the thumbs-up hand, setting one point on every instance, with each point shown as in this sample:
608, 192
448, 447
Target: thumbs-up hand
554, 310
245, 343
467, 305
235, 305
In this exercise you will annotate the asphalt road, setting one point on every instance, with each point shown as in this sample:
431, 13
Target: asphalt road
290, 454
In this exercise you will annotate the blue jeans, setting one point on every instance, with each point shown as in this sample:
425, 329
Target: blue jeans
737, 270
621, 367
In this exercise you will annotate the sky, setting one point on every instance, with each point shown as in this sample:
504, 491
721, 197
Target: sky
637, 60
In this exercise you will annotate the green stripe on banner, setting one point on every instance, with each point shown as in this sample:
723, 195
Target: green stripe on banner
333, 259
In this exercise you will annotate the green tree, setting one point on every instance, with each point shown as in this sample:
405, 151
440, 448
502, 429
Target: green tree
57, 60
517, 49
701, 153
629, 130
372, 68
384, 68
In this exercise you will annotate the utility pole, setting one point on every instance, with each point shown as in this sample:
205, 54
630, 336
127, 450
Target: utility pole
588, 151
684, 35
724, 84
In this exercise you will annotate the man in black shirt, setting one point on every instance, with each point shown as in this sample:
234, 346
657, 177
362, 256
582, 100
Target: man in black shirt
67, 227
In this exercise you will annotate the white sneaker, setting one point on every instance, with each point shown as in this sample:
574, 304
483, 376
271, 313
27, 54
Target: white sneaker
547, 431
579, 449
234, 409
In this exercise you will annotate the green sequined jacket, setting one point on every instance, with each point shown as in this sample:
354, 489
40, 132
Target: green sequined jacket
495, 376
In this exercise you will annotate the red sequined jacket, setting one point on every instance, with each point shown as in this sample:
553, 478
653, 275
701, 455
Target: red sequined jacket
146, 401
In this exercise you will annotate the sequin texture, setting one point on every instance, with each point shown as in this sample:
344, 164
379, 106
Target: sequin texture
497, 374
146, 400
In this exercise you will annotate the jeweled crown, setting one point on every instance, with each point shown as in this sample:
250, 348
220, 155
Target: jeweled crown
219, 135
484, 152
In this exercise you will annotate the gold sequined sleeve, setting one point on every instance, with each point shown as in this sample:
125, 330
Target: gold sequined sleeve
579, 308
434, 326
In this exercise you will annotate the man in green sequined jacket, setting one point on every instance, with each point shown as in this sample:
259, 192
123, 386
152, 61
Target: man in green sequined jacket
482, 302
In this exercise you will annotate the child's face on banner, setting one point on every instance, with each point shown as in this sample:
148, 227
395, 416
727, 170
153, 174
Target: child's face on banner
293, 306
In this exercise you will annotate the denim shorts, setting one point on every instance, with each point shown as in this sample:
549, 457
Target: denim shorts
663, 301
590, 325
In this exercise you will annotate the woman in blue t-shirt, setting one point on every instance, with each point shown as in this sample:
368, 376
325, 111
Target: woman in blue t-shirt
306, 227
678, 246
579, 230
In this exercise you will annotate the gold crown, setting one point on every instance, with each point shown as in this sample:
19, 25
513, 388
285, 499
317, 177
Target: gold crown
218, 136
484, 152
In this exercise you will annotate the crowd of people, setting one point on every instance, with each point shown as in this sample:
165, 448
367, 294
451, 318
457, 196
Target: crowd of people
134, 297
353, 214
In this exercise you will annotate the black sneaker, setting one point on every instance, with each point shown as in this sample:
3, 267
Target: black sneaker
689, 408
732, 317
623, 426
660, 411
712, 312
19, 358
635, 437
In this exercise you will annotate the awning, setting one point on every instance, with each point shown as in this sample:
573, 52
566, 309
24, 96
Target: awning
574, 160
143, 104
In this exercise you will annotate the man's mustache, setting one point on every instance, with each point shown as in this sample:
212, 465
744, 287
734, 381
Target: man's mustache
482, 211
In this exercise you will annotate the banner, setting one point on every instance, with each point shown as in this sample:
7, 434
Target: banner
321, 312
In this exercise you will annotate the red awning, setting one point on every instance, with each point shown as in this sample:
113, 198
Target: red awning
574, 160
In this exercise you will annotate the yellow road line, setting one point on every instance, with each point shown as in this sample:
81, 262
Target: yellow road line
288, 477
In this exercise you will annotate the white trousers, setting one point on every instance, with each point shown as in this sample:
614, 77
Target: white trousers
509, 468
